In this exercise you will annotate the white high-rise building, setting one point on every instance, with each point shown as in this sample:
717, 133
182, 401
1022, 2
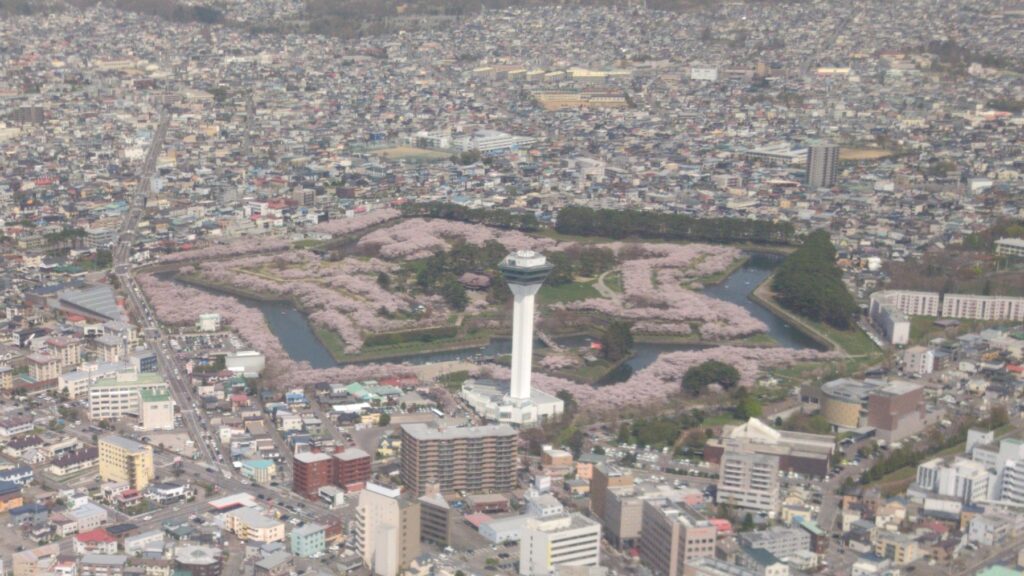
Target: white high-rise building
561, 540
965, 479
386, 529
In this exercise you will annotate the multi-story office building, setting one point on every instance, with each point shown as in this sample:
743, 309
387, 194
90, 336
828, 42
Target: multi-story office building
491, 141
387, 529
606, 477
156, 409
560, 540
822, 165
780, 541
749, 480
437, 519
124, 460
471, 459
672, 535
115, 397
807, 454
1010, 247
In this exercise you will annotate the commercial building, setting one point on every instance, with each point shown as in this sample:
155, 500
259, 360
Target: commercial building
807, 454
590, 98
102, 565
672, 535
209, 322
822, 165
716, 567
387, 529
889, 319
1010, 247
606, 477
249, 523
156, 409
781, 541
895, 409
491, 141
778, 153
120, 395
555, 541
308, 540
127, 461
260, 471
471, 459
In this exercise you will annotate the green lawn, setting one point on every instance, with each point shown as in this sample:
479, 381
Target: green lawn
614, 282
923, 328
855, 342
336, 346
567, 292
720, 420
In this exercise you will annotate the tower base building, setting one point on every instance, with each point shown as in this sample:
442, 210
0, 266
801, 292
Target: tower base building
491, 399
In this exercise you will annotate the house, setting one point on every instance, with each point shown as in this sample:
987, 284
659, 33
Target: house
10, 496
97, 541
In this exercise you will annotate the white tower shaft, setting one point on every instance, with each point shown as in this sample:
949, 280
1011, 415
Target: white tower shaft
522, 339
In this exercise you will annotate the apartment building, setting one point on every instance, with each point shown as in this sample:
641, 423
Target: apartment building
562, 540
249, 523
311, 471
975, 307
387, 529
314, 470
672, 535
473, 459
127, 461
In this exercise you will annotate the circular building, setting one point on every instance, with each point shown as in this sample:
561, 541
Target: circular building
198, 560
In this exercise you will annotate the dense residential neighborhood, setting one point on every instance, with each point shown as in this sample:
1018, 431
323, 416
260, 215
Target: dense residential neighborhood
653, 288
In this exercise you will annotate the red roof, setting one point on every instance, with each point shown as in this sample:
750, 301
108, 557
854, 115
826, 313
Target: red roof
722, 525
95, 536
477, 519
